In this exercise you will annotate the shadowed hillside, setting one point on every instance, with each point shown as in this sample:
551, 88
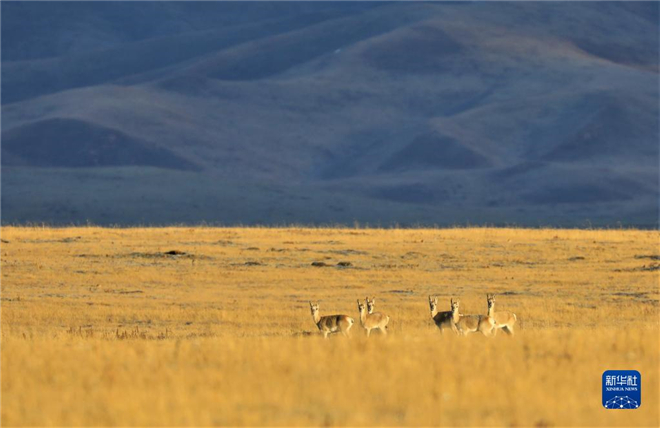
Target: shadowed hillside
435, 113
72, 143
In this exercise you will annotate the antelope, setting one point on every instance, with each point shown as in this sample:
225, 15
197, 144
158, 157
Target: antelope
331, 323
503, 319
441, 319
372, 321
371, 304
466, 324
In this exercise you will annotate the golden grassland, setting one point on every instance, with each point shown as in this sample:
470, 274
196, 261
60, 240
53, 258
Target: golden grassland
102, 327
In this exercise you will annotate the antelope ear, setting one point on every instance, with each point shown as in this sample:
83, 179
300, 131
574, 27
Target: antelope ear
358, 300
373, 299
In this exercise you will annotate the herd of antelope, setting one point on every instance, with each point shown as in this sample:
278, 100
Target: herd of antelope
455, 321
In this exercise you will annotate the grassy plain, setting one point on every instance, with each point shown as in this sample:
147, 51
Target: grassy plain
102, 327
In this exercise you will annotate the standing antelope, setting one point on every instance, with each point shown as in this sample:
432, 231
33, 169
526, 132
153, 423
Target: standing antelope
441, 319
372, 321
331, 323
503, 319
466, 324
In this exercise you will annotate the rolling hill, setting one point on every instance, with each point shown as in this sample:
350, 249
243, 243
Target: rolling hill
312, 112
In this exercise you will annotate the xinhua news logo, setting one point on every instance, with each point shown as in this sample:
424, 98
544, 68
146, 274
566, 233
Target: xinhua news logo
622, 389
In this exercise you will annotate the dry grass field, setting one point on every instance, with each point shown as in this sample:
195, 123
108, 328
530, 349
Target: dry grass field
103, 327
